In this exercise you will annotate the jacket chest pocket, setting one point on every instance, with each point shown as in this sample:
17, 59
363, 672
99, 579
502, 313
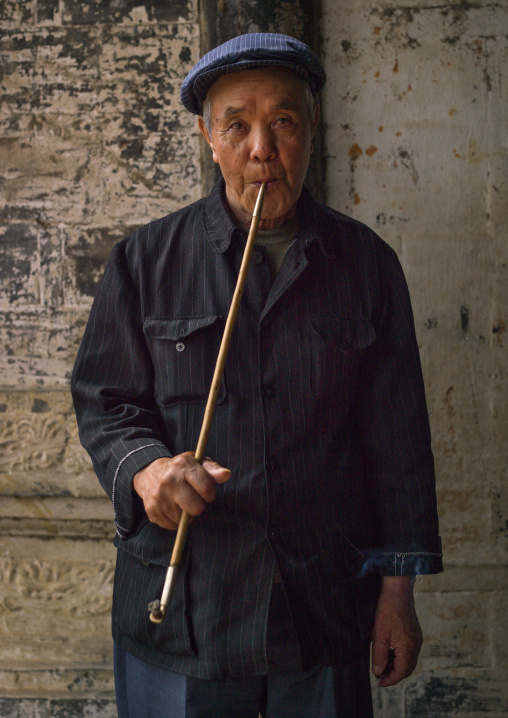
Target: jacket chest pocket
184, 351
337, 346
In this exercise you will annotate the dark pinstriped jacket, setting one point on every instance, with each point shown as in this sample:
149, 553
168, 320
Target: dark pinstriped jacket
321, 418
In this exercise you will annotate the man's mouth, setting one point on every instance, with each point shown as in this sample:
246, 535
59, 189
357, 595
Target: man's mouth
267, 181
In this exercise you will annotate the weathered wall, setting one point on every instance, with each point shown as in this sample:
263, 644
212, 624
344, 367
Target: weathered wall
93, 143
416, 135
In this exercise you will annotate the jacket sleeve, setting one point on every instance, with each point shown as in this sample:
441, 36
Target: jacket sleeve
392, 435
112, 389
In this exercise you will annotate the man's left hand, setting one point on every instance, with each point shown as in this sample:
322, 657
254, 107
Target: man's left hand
397, 635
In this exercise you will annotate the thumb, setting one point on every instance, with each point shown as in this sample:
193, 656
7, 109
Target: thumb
218, 472
380, 653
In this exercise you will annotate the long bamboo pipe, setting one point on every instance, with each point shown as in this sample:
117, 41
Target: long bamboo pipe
158, 608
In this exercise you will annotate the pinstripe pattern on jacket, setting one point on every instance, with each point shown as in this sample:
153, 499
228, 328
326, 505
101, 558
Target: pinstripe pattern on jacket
321, 418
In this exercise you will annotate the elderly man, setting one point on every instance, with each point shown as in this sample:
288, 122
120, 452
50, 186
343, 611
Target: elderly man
304, 549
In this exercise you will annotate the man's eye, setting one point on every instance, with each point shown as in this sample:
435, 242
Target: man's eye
282, 121
236, 126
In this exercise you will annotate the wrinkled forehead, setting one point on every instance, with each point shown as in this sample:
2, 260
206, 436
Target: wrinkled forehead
281, 84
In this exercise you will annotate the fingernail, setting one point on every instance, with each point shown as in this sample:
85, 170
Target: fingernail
377, 670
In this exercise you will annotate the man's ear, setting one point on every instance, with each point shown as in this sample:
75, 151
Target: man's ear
204, 131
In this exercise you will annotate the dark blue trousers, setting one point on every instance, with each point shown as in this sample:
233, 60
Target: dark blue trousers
146, 691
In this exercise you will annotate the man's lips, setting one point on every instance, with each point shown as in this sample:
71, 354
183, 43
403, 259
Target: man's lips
268, 181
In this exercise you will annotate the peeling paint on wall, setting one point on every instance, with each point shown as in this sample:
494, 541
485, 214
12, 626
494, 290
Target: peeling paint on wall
426, 85
93, 143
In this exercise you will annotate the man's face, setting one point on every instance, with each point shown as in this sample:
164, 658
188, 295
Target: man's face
261, 130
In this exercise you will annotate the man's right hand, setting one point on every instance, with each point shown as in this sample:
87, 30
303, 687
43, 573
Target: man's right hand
169, 486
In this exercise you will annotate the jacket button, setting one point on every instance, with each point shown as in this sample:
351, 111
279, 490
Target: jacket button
271, 465
257, 257
180, 347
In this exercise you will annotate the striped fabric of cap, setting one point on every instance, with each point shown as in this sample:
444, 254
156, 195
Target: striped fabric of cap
257, 49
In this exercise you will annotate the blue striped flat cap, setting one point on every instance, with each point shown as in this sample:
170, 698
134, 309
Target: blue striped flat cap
246, 52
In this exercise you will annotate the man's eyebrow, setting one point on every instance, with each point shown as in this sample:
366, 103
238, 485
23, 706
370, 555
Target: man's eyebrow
286, 105
282, 105
232, 111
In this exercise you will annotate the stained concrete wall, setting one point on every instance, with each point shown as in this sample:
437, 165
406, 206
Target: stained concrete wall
417, 145
93, 143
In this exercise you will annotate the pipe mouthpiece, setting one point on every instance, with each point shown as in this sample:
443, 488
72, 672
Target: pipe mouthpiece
260, 199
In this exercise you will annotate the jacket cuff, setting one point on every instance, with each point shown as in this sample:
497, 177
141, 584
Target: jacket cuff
414, 561
127, 505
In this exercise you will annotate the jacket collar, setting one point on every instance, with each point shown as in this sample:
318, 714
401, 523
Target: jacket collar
220, 227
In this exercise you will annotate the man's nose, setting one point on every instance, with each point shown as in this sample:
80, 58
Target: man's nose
263, 146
